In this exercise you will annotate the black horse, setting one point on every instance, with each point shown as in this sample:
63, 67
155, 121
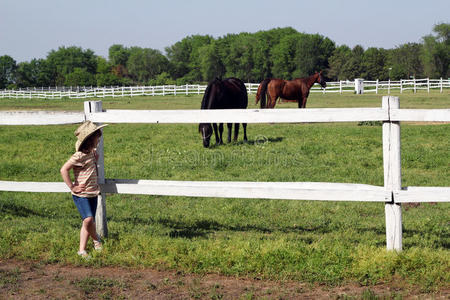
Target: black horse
223, 94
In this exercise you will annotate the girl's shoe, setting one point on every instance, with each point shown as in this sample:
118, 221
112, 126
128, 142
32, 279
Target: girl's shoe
98, 246
83, 254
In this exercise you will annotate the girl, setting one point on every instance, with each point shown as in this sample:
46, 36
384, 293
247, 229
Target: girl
85, 188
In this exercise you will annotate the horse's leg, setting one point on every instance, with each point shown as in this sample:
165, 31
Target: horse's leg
305, 98
236, 131
230, 128
244, 125
300, 102
215, 133
304, 102
273, 99
220, 133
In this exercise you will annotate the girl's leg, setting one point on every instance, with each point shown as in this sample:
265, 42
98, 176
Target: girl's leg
92, 228
87, 208
86, 231
93, 231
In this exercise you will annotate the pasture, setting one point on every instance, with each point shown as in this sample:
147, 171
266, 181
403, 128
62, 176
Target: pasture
323, 243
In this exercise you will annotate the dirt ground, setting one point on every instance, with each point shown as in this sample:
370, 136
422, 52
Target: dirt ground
34, 280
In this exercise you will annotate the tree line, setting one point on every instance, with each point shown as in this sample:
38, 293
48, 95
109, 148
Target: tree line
280, 52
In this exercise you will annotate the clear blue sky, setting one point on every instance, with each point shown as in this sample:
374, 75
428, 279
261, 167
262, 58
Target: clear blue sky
30, 29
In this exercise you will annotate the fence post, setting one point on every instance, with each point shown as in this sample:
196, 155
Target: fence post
428, 84
100, 216
392, 176
441, 84
359, 86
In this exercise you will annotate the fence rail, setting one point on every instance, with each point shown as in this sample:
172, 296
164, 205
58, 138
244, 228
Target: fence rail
392, 193
310, 115
196, 89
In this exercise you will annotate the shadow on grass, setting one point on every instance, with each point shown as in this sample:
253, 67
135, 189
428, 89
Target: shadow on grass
19, 210
259, 141
202, 228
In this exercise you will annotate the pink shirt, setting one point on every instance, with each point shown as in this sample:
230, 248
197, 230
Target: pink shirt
85, 172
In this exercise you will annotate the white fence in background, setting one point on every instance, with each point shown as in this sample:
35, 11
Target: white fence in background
195, 89
392, 193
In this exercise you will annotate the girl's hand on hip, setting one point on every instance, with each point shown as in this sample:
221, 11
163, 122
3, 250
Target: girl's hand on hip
78, 188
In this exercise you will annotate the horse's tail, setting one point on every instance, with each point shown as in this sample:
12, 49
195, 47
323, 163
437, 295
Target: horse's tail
261, 94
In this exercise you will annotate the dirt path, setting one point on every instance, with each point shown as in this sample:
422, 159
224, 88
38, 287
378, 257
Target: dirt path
33, 280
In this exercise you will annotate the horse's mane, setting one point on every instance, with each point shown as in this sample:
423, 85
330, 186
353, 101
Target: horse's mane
207, 92
307, 77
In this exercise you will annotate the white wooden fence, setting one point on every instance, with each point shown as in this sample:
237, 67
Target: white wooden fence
196, 89
392, 193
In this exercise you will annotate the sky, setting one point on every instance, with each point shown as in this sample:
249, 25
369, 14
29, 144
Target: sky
30, 29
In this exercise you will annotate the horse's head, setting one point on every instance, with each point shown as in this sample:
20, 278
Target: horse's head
320, 80
206, 131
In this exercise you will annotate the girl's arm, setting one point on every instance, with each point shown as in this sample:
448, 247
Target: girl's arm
66, 177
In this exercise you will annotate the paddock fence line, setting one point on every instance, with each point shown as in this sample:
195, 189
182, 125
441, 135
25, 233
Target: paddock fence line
392, 193
83, 92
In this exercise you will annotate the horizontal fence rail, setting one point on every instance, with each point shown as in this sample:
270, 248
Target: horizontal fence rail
40, 117
241, 115
197, 89
309, 115
392, 193
422, 194
263, 190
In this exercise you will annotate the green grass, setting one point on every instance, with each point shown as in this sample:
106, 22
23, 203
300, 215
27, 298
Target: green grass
312, 241
407, 100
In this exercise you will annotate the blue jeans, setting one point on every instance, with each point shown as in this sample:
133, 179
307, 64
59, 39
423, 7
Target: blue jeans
87, 207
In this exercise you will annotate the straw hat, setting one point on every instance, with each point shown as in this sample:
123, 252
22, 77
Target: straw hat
84, 131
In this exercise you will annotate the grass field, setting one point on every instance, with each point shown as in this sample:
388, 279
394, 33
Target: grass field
311, 241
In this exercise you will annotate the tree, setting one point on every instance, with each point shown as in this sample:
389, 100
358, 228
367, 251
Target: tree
80, 77
211, 65
65, 60
353, 68
145, 64
341, 55
184, 57
108, 79
105, 75
239, 58
436, 52
312, 53
405, 61
162, 79
7, 71
283, 57
265, 42
118, 55
35, 73
374, 64
300, 55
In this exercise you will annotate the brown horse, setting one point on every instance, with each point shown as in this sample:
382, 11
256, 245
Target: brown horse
291, 90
